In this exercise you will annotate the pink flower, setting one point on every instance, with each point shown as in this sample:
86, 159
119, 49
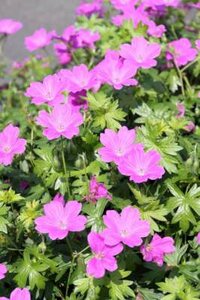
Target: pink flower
141, 165
116, 144
78, 100
181, 52
62, 53
18, 294
156, 30
198, 238
197, 43
122, 4
103, 256
115, 72
126, 227
60, 218
88, 9
181, 110
49, 91
141, 53
39, 39
97, 191
10, 144
63, 120
3, 271
86, 39
190, 127
9, 26
156, 250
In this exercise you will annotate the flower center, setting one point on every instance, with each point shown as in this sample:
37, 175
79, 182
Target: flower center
124, 233
7, 149
139, 58
62, 225
99, 255
49, 95
148, 248
60, 127
120, 152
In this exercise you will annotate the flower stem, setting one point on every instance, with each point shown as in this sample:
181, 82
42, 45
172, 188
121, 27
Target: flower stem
65, 170
179, 73
69, 246
190, 64
69, 276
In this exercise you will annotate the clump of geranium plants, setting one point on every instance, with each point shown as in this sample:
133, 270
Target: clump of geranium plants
99, 156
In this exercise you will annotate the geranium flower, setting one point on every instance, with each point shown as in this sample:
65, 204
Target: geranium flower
97, 191
116, 144
60, 218
181, 52
9, 26
141, 53
78, 100
62, 53
3, 271
103, 256
89, 8
141, 166
115, 71
198, 238
157, 248
126, 227
86, 39
39, 39
63, 120
49, 91
122, 4
10, 144
197, 43
181, 110
18, 294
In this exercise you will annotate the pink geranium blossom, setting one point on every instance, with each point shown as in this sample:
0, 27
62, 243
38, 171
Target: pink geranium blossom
126, 227
103, 256
141, 53
197, 43
122, 4
141, 166
39, 39
97, 191
3, 271
115, 71
156, 250
89, 8
9, 26
86, 39
78, 100
198, 238
10, 144
62, 53
18, 294
60, 218
49, 91
63, 120
116, 144
181, 110
181, 52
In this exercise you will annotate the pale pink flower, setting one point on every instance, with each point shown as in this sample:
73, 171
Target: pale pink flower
115, 71
197, 43
141, 166
116, 144
86, 39
10, 144
3, 271
49, 91
89, 8
156, 30
60, 218
159, 3
198, 238
103, 256
122, 4
63, 120
97, 191
62, 53
18, 294
157, 248
126, 227
39, 39
181, 110
181, 52
141, 53
190, 127
9, 26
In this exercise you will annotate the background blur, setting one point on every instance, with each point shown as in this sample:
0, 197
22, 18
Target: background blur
50, 14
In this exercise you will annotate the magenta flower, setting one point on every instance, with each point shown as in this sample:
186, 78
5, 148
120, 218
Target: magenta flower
18, 294
63, 120
10, 144
141, 53
86, 39
198, 238
181, 110
3, 271
89, 8
49, 91
103, 256
97, 191
115, 71
62, 53
9, 26
141, 166
116, 144
156, 250
39, 39
181, 52
156, 30
126, 227
60, 218
197, 43
122, 4
190, 127
78, 100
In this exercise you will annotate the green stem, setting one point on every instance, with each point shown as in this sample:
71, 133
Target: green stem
69, 276
69, 246
65, 170
190, 64
180, 77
